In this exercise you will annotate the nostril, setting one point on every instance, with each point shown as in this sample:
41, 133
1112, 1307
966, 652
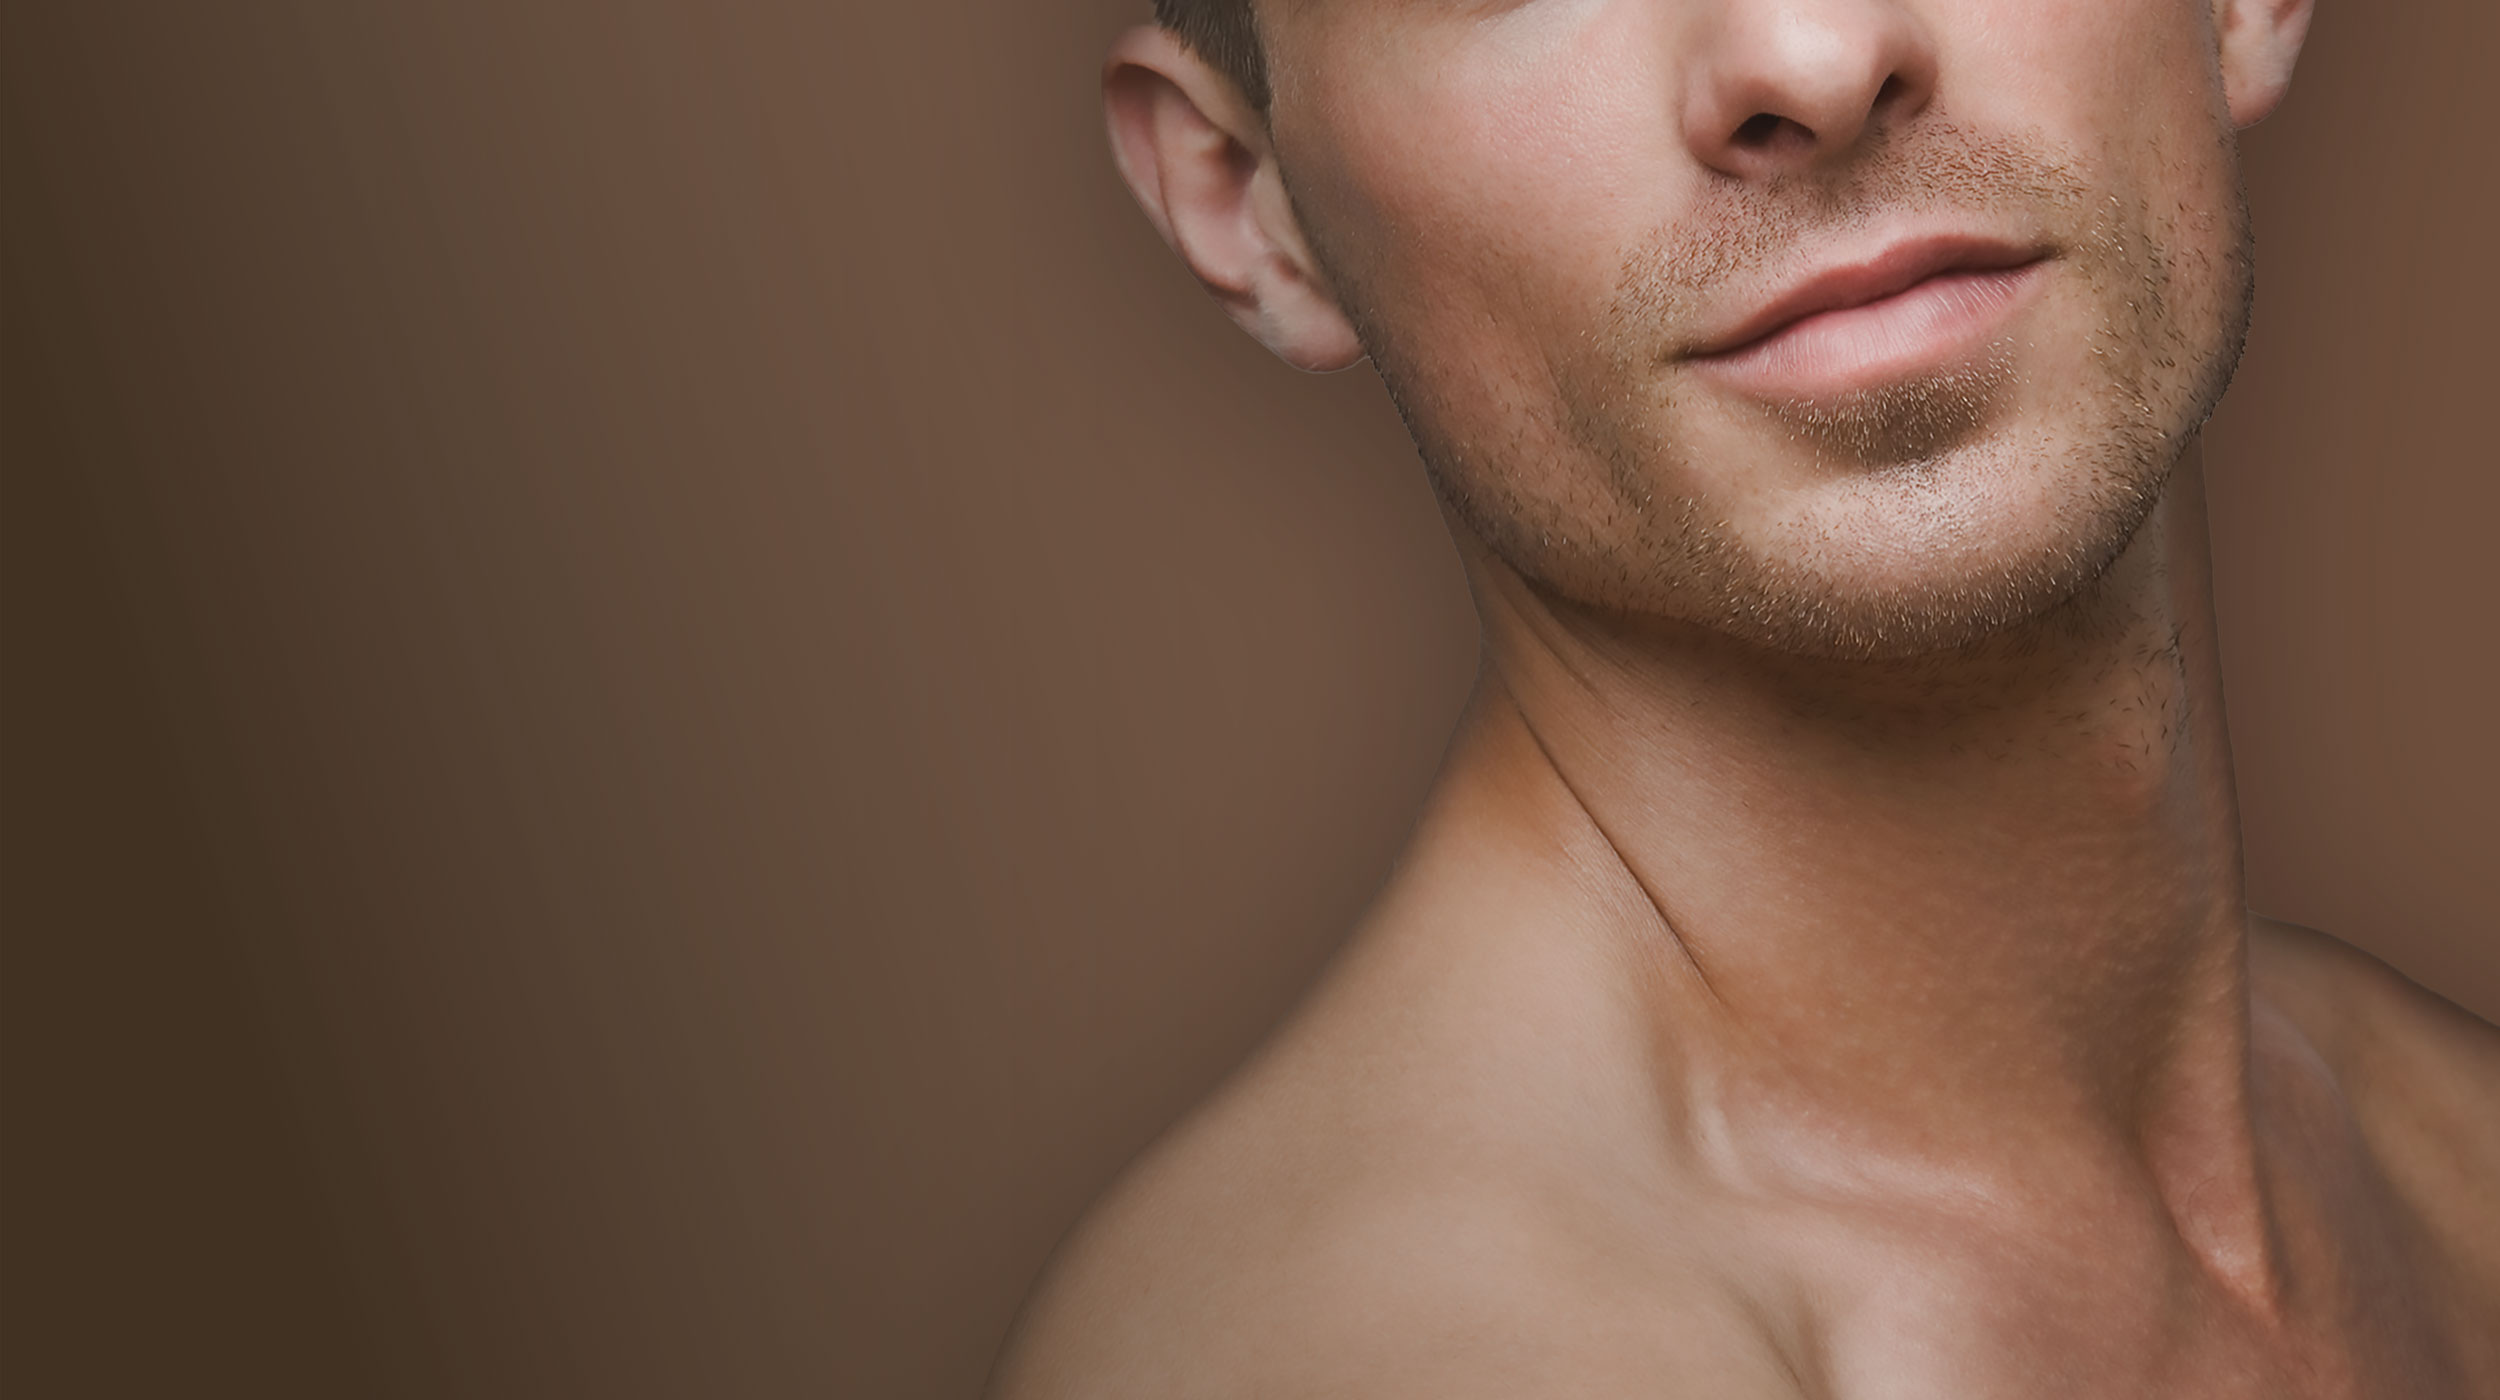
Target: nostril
1891, 92
1758, 130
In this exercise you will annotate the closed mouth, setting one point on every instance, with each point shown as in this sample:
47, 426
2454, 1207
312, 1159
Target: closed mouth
1896, 270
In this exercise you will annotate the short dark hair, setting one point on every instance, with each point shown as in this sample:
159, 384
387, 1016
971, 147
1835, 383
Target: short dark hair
1226, 34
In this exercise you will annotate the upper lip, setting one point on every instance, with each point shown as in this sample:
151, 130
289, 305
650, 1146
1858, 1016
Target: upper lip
1896, 269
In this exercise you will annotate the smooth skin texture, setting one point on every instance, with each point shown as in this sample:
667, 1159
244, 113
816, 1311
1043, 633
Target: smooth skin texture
1822, 968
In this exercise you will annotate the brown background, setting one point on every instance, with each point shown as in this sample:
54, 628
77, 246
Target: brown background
665, 685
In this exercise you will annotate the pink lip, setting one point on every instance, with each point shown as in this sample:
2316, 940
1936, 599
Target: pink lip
1912, 307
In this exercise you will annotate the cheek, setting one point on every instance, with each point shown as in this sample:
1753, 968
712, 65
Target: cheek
2111, 78
1479, 187
2131, 90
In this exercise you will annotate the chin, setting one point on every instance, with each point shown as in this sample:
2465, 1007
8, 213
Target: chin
1787, 549
1938, 553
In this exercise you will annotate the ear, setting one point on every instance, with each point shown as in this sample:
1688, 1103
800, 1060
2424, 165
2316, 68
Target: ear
2260, 42
1198, 158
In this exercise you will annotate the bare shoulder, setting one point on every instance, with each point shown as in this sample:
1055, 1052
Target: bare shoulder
2422, 1074
2390, 1038
1313, 1232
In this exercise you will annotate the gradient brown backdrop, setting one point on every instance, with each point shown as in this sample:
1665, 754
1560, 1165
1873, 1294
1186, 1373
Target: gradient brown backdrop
665, 685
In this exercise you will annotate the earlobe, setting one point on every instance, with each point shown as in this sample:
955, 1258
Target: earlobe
1196, 155
2260, 42
1300, 317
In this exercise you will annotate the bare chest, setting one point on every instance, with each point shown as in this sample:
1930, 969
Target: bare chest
1965, 1324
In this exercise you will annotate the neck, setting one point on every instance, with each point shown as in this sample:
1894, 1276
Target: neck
1968, 909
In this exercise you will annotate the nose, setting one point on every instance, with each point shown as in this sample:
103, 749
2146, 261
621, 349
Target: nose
1780, 87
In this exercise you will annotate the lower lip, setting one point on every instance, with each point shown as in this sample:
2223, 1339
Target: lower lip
1932, 327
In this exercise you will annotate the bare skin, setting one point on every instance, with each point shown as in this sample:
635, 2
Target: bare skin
1523, 1140
1822, 969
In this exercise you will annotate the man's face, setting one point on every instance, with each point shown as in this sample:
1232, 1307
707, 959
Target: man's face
1595, 248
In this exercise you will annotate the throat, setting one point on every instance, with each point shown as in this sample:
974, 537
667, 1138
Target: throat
1983, 937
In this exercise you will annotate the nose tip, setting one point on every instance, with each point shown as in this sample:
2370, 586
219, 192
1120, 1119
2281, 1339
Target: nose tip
1782, 86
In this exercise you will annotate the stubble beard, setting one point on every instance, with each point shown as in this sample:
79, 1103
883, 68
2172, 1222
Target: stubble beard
1609, 520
